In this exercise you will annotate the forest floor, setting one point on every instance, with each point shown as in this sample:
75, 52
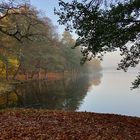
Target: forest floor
32, 124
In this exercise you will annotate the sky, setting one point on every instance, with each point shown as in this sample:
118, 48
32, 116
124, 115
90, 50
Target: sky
47, 6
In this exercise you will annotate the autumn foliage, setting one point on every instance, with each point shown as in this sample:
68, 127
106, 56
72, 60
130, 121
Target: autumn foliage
23, 124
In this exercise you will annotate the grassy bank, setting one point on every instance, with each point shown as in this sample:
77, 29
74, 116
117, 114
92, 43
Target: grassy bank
34, 124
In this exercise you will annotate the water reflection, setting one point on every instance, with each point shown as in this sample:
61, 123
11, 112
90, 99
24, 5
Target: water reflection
65, 94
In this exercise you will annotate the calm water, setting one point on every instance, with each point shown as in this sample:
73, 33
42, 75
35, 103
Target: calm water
106, 92
113, 95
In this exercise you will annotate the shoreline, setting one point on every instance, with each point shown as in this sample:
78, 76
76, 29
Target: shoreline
50, 125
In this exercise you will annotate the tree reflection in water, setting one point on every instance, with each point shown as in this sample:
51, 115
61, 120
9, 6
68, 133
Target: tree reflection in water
66, 94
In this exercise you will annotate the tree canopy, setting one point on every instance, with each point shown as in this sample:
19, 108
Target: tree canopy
18, 20
103, 27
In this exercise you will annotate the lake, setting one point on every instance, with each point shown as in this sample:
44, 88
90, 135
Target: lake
113, 95
104, 92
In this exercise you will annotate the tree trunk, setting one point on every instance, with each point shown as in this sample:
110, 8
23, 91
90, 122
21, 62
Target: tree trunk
39, 74
33, 73
6, 69
26, 75
2, 69
14, 76
46, 75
